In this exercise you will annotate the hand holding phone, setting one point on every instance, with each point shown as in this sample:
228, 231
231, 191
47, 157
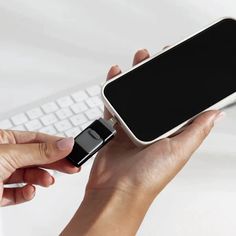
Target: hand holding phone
160, 161
159, 96
125, 178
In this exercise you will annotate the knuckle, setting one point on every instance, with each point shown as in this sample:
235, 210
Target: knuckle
176, 155
204, 131
199, 131
179, 153
2, 134
6, 136
171, 148
45, 151
8, 164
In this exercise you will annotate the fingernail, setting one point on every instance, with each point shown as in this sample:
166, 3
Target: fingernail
116, 67
142, 49
219, 117
65, 143
52, 180
32, 190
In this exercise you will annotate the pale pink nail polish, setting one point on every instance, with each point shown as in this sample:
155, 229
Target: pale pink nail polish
65, 143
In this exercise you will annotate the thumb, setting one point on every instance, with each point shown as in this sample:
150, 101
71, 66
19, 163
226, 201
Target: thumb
21, 155
194, 134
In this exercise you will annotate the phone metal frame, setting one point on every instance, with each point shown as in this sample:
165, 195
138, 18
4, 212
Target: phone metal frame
224, 102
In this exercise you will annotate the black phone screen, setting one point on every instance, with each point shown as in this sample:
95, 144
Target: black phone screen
178, 84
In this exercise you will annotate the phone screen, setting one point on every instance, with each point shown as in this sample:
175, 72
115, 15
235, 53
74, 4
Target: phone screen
178, 84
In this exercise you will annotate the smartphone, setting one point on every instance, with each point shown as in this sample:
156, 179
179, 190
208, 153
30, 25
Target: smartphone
160, 95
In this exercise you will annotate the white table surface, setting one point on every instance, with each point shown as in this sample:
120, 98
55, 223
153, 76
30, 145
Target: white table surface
47, 46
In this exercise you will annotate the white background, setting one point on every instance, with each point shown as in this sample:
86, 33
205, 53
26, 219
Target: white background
47, 46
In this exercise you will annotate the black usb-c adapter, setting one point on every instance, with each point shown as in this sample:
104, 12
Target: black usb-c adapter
91, 140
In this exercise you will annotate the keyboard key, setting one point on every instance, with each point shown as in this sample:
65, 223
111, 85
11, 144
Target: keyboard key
5, 124
78, 119
33, 125
80, 96
93, 113
63, 125
64, 113
50, 107
65, 101
19, 127
94, 90
61, 135
94, 101
79, 107
19, 119
66, 116
73, 132
48, 130
34, 113
49, 119
85, 125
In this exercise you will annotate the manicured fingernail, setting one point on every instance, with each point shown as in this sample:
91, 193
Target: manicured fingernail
65, 143
219, 117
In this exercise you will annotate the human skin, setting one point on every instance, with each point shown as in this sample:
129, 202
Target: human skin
22, 157
125, 179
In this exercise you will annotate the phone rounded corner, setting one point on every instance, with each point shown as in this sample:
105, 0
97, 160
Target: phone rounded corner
227, 18
138, 142
103, 88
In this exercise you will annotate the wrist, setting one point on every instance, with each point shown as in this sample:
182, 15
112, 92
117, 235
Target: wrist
109, 211
118, 198
126, 185
124, 211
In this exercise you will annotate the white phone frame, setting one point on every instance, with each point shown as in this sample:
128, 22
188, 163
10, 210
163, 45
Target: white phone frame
224, 102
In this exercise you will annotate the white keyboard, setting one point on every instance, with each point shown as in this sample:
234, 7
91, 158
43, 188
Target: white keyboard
64, 115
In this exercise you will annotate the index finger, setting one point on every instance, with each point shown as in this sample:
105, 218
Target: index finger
23, 137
